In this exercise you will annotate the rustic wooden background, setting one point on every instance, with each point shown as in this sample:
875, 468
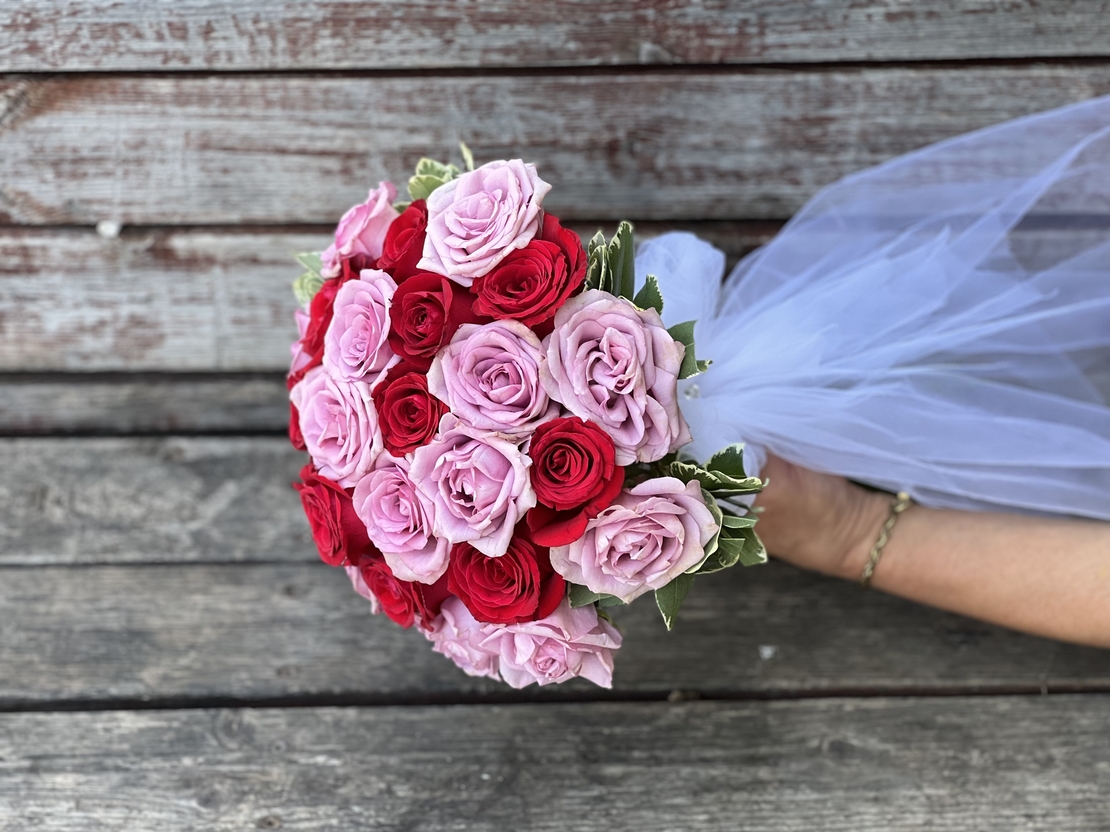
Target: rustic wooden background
171, 654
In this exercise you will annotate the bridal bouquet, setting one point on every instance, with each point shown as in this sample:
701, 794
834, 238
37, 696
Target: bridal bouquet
492, 417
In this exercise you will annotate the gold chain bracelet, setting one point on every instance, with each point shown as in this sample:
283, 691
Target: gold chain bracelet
900, 503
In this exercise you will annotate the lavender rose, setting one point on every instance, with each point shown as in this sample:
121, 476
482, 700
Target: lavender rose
478, 482
476, 220
489, 376
456, 634
361, 231
339, 425
399, 519
611, 363
649, 536
566, 644
356, 345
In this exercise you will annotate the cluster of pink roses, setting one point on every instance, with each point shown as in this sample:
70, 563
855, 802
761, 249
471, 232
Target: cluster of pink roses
471, 412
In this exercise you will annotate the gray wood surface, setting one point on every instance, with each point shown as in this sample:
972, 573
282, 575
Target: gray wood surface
1008, 764
272, 632
82, 404
71, 501
174, 300
690, 144
221, 34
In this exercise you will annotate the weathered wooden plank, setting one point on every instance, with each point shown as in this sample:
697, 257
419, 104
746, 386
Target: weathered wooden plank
100, 404
271, 632
70, 300
141, 500
675, 145
172, 300
1005, 764
217, 34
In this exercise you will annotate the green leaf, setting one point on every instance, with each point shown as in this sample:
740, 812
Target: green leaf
468, 157
729, 461
670, 597
400, 205
649, 296
310, 260
421, 187
580, 596
597, 266
684, 334
430, 174
621, 263
306, 286
430, 167
753, 551
690, 471
731, 521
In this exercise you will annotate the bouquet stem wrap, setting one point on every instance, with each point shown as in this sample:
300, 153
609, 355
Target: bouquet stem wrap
939, 324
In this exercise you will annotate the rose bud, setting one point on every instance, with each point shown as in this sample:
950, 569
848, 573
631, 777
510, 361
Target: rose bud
339, 534
575, 476
531, 283
404, 242
408, 414
520, 585
427, 309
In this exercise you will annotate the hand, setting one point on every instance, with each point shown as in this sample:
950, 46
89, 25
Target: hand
818, 521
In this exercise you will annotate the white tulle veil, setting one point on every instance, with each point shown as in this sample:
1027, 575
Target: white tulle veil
936, 324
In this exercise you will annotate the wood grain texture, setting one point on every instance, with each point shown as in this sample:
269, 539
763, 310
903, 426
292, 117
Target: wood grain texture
173, 300
271, 632
689, 145
34, 404
1005, 764
220, 34
150, 500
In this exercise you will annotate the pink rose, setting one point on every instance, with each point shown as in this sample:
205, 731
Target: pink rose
478, 481
567, 644
611, 363
457, 635
356, 345
649, 536
399, 519
476, 220
339, 425
489, 376
361, 231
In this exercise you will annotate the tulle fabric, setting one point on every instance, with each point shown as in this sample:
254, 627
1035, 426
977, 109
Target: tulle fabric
938, 324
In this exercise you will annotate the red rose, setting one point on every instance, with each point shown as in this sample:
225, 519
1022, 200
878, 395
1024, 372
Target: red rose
427, 309
404, 242
531, 283
407, 413
575, 476
518, 586
295, 435
339, 534
402, 601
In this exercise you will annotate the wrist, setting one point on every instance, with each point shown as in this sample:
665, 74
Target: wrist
861, 529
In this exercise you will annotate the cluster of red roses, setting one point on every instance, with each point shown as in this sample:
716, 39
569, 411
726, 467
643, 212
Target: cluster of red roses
573, 463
